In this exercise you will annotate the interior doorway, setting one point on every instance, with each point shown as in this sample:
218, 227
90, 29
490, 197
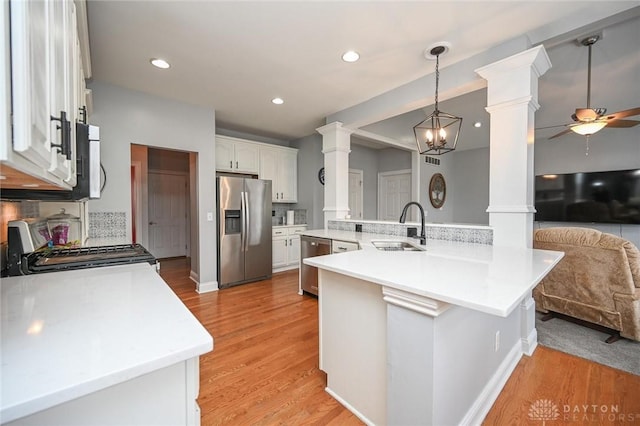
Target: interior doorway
394, 191
162, 193
356, 193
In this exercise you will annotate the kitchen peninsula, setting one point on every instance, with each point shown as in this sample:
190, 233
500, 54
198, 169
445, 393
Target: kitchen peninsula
431, 335
104, 345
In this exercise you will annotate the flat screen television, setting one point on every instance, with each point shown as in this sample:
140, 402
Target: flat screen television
593, 197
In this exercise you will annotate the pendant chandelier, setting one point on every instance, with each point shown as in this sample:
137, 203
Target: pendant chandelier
439, 132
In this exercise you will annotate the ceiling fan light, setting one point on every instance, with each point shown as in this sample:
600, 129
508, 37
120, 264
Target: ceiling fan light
587, 129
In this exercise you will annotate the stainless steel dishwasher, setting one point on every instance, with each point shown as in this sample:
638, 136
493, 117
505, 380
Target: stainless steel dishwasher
310, 247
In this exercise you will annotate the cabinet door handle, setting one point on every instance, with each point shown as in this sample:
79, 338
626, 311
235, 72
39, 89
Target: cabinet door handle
64, 147
231, 164
282, 195
83, 114
342, 248
277, 196
237, 165
285, 243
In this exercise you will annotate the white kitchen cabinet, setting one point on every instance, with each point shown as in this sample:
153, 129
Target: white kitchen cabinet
294, 250
62, 63
280, 252
44, 69
237, 155
286, 247
280, 166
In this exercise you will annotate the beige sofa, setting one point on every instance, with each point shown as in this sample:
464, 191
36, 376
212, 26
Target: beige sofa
598, 280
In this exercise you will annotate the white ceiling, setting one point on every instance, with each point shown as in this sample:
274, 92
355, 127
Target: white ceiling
235, 56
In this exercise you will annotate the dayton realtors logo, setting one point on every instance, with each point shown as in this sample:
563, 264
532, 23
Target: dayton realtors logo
543, 409
546, 410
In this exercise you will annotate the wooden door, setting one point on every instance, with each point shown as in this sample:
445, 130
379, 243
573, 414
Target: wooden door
167, 214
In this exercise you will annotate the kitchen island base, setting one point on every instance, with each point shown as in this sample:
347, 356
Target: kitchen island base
393, 357
163, 397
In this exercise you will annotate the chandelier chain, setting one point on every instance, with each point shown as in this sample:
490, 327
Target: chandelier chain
437, 79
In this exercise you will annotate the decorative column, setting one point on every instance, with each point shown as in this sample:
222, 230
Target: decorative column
336, 146
512, 100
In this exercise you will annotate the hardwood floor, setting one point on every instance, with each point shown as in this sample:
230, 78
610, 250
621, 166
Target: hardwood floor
263, 369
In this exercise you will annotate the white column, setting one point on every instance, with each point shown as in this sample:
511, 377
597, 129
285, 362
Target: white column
336, 146
512, 100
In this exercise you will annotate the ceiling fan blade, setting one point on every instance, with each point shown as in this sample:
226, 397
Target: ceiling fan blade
551, 127
622, 123
622, 114
564, 132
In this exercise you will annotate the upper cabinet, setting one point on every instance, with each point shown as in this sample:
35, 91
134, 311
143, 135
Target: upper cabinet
237, 155
44, 83
280, 166
270, 162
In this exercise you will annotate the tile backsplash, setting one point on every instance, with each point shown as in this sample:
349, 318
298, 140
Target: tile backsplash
465, 234
280, 212
107, 224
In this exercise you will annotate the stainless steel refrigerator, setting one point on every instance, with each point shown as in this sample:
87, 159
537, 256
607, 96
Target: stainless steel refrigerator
244, 230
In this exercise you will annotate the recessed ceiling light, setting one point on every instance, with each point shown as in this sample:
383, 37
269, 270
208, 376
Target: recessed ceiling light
350, 56
277, 101
160, 63
30, 185
477, 124
2, 177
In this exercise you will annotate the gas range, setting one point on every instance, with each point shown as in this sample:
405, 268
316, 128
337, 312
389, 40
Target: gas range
61, 259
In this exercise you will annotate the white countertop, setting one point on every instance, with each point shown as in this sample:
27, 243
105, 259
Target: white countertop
486, 278
68, 334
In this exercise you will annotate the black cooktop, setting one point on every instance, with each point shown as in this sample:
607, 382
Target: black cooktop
59, 259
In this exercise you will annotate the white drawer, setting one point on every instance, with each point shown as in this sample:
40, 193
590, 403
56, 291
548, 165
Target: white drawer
338, 246
279, 232
294, 230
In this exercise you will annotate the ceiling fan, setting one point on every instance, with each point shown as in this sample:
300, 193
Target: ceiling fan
588, 121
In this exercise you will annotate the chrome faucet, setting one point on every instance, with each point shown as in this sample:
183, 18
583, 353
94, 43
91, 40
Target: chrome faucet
403, 217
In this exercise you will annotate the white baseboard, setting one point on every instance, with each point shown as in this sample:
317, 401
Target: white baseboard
530, 344
285, 268
492, 389
349, 407
194, 276
206, 287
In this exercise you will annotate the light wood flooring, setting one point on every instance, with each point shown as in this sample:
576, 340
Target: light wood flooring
263, 369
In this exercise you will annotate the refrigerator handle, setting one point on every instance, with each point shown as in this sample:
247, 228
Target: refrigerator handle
243, 220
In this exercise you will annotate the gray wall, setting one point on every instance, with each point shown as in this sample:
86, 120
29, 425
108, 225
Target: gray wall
469, 193
366, 159
251, 137
128, 117
392, 159
310, 190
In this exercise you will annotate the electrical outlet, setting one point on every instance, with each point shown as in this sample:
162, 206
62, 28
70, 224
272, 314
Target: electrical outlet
496, 346
210, 216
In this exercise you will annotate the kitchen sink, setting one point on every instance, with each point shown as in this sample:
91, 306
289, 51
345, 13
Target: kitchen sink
396, 246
